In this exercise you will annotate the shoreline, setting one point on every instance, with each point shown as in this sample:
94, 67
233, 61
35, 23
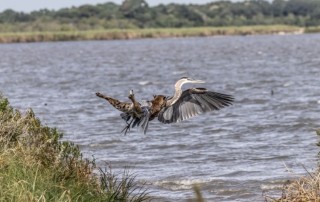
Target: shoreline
125, 34
36, 164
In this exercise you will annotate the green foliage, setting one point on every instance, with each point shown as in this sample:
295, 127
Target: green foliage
4, 104
36, 165
123, 187
137, 13
318, 133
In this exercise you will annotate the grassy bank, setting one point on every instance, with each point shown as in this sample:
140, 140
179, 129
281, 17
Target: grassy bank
305, 188
112, 34
312, 30
36, 165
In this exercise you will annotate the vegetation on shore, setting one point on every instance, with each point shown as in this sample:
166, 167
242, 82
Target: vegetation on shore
136, 19
36, 165
312, 29
138, 14
305, 188
144, 33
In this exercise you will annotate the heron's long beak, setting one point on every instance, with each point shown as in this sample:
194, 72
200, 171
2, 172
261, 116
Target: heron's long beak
198, 81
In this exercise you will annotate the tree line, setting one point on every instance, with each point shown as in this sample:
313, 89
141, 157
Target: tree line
138, 14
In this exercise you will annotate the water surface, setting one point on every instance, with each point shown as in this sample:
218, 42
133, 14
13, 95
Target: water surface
233, 155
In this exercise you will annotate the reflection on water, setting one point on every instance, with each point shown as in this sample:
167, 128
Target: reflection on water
233, 154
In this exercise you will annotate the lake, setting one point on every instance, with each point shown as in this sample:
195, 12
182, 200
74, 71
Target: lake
235, 154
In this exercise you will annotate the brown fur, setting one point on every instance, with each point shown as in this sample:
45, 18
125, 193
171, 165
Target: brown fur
136, 106
158, 103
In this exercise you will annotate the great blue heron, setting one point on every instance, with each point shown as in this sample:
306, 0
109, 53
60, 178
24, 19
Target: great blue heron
182, 105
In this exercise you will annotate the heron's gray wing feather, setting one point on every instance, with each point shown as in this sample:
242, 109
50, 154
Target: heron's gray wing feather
142, 121
145, 119
193, 102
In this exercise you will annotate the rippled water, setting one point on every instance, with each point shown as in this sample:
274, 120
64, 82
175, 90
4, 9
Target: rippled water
234, 154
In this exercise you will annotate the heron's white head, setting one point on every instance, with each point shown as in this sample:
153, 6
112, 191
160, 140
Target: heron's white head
178, 90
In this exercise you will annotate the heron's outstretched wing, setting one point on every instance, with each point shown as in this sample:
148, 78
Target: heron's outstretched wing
193, 102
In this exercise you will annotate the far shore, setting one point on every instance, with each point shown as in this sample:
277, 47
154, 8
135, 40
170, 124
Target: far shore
118, 34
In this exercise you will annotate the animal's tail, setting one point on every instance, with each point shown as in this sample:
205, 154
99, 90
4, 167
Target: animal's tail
122, 106
103, 96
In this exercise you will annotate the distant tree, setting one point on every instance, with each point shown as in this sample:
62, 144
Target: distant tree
10, 16
137, 13
301, 7
87, 11
130, 8
108, 11
278, 7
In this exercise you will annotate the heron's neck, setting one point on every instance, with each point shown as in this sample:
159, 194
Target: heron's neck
177, 94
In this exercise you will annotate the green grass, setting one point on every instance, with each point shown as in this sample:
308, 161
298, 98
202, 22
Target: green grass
36, 165
111, 34
312, 30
